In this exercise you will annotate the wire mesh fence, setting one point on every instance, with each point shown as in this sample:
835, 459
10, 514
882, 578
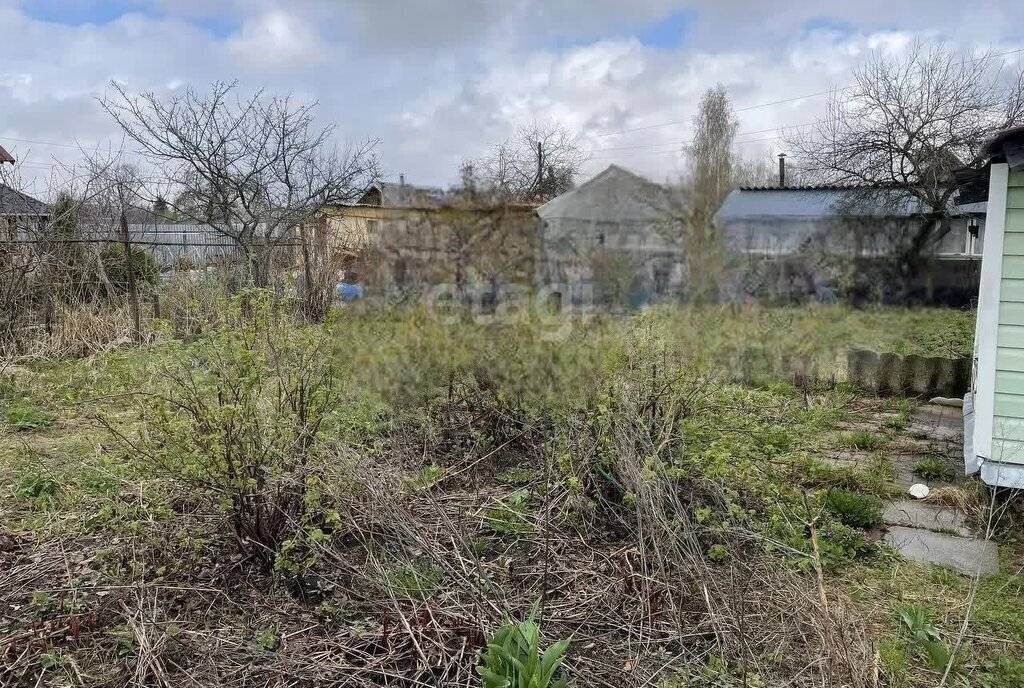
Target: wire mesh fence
104, 283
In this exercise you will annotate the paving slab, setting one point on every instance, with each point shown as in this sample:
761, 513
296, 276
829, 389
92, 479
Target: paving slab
934, 517
940, 423
969, 556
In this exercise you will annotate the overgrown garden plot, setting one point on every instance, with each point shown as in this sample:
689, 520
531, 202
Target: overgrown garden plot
365, 502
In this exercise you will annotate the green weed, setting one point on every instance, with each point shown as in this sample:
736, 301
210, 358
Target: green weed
916, 622
23, 416
931, 468
864, 440
855, 508
513, 658
36, 486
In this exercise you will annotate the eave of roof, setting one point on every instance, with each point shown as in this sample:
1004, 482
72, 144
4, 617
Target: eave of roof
5, 156
820, 187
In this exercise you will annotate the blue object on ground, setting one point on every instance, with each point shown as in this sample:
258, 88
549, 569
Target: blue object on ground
349, 292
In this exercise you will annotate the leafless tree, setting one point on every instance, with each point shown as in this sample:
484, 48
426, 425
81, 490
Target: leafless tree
541, 162
254, 168
905, 127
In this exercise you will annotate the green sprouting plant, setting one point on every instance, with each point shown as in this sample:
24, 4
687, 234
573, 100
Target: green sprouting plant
23, 416
862, 439
915, 619
855, 508
269, 640
43, 603
517, 476
36, 486
513, 658
425, 478
892, 656
415, 579
510, 517
897, 422
931, 468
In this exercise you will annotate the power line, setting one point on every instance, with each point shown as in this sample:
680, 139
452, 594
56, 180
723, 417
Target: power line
41, 143
688, 141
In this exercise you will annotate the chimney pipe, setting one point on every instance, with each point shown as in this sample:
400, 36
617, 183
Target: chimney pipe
401, 180
782, 170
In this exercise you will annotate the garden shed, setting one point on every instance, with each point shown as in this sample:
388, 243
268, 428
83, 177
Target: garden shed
994, 408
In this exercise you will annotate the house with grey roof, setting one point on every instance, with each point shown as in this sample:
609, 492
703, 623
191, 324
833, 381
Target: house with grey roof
610, 240
20, 214
840, 241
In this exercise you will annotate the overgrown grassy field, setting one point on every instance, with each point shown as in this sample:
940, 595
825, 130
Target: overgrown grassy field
365, 502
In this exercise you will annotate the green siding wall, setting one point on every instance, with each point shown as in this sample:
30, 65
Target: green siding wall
1008, 424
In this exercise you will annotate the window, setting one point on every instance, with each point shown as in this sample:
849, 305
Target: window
400, 272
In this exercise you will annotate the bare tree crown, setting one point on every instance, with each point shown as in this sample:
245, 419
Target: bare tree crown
911, 121
253, 168
541, 162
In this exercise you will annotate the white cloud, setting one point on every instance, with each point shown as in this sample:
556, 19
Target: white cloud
438, 80
277, 40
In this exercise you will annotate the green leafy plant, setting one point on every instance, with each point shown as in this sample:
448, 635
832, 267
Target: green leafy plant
916, 621
415, 579
269, 640
425, 478
36, 486
855, 508
513, 658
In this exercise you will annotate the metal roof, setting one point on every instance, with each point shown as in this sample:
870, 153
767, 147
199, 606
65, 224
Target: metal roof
814, 187
819, 202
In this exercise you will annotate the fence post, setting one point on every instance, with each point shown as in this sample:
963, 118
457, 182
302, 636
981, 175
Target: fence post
133, 288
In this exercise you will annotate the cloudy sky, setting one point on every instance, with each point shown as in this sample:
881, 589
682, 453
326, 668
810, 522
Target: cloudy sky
437, 81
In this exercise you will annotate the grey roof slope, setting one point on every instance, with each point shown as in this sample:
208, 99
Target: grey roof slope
809, 202
14, 202
613, 194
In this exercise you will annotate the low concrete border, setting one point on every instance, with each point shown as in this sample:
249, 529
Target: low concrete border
892, 374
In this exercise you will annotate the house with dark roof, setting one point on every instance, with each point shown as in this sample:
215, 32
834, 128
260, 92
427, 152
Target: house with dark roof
21, 214
840, 241
610, 240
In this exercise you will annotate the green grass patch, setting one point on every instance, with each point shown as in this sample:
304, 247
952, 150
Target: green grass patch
864, 440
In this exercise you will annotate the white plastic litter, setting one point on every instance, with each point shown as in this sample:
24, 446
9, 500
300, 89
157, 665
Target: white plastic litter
918, 490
